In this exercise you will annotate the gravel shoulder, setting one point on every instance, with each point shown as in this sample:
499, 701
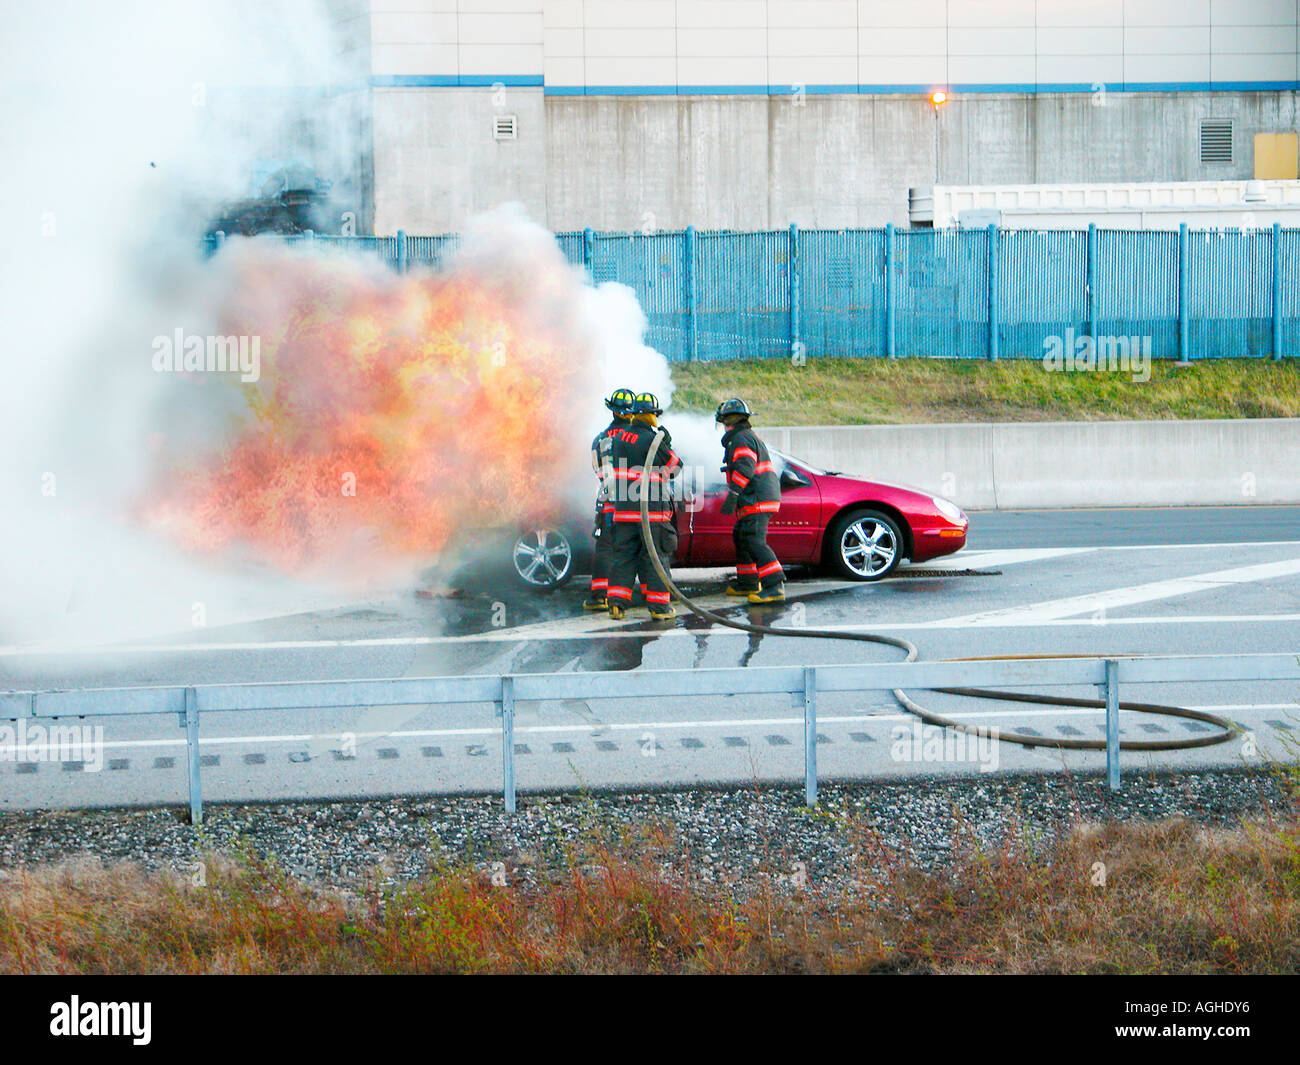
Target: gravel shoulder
732, 835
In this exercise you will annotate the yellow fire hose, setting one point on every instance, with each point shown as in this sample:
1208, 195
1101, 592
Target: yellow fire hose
1227, 730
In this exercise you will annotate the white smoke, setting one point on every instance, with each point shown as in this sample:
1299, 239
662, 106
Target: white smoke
121, 127
619, 326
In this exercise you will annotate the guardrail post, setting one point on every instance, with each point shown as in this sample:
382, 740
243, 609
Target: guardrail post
401, 251
1277, 291
589, 252
1184, 332
692, 331
220, 236
890, 353
191, 722
508, 741
1112, 723
1090, 283
792, 264
810, 735
993, 292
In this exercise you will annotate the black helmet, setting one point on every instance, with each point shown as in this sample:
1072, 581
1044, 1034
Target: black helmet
647, 403
621, 401
732, 406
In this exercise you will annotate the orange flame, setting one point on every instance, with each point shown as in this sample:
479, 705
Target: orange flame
391, 412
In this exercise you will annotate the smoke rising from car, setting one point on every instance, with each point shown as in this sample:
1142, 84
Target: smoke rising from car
149, 493
122, 127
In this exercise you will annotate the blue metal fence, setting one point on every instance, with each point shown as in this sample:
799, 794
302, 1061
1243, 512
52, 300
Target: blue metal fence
951, 293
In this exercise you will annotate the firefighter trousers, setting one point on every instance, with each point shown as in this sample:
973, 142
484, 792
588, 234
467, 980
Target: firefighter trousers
603, 556
756, 563
630, 559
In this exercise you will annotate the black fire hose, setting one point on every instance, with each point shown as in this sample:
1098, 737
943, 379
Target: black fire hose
1227, 730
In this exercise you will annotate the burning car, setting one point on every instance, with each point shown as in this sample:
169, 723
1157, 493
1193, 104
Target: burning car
854, 529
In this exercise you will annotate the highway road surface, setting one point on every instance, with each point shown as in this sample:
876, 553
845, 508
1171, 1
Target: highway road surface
1166, 581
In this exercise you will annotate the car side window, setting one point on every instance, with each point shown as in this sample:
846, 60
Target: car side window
790, 476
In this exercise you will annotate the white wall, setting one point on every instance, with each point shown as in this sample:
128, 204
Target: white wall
687, 46
755, 114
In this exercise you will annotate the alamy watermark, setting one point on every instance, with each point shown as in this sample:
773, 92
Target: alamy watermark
26, 743
919, 743
180, 352
131, 1020
1101, 354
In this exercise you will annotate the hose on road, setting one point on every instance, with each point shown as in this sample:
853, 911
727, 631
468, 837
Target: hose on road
1227, 730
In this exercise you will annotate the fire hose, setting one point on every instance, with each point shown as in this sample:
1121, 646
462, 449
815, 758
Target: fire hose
1227, 730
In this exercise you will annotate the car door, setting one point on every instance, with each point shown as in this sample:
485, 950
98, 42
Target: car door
792, 532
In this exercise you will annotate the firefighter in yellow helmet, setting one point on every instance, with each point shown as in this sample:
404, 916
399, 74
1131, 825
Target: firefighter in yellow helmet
635, 471
620, 405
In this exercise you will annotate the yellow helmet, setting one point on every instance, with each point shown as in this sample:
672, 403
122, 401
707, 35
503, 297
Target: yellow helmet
621, 401
647, 403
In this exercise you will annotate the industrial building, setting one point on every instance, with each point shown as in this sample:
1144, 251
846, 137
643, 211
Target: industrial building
641, 115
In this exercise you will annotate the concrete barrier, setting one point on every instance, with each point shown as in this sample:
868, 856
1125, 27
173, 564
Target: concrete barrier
1010, 465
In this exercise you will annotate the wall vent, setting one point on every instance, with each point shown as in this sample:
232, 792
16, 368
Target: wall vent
505, 127
1216, 140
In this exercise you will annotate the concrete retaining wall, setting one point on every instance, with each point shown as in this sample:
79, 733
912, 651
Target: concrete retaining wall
1067, 464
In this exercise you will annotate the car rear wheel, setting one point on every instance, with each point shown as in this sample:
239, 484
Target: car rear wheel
542, 558
864, 545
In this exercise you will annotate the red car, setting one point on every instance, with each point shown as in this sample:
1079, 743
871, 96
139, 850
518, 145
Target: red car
856, 530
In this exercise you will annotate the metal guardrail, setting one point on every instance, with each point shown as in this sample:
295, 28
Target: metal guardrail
505, 692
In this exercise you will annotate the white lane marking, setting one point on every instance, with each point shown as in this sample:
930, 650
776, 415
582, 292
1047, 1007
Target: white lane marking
585, 626
649, 634
999, 557
599, 627
1234, 544
1066, 623
644, 726
1053, 609
964, 560
583, 623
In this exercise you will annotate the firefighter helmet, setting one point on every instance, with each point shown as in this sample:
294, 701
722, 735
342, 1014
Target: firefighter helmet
733, 406
621, 401
647, 403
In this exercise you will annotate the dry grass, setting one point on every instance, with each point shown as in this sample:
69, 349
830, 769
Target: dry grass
1177, 898
833, 391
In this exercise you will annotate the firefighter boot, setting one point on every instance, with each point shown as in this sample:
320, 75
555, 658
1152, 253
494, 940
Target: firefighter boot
595, 603
617, 611
771, 595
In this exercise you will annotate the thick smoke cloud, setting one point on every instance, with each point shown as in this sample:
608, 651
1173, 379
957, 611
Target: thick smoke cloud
122, 128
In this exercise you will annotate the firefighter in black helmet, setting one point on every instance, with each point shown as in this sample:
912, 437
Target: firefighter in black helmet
635, 471
754, 496
620, 405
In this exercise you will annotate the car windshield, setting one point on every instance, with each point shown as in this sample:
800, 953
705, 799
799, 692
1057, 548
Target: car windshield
780, 460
